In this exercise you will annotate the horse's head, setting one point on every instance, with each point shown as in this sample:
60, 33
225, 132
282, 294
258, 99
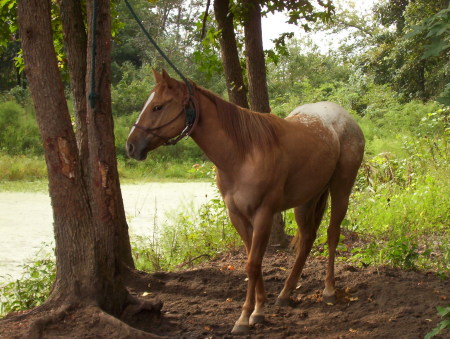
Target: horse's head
162, 118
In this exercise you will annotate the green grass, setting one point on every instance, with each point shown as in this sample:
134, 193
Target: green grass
22, 168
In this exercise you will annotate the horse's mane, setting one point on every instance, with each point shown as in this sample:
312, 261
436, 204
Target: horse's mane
246, 128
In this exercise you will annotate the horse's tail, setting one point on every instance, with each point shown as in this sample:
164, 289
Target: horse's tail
318, 211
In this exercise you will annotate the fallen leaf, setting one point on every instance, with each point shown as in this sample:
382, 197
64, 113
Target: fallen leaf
352, 330
146, 294
229, 299
230, 267
282, 268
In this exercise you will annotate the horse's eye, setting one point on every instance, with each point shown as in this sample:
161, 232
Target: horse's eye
157, 108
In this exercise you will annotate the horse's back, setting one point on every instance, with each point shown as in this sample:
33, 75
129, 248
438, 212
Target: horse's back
336, 118
331, 114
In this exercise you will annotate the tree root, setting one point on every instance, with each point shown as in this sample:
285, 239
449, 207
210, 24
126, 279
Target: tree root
100, 320
37, 326
137, 306
122, 329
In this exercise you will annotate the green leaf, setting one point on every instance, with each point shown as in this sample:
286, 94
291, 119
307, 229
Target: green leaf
435, 48
443, 311
438, 29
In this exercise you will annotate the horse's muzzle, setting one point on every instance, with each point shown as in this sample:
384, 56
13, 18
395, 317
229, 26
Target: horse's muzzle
135, 152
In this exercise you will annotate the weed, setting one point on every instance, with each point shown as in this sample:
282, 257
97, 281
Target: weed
32, 289
443, 325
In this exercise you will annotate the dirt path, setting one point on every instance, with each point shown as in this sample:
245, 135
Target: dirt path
204, 302
372, 303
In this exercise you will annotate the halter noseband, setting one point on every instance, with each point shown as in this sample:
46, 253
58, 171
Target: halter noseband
191, 121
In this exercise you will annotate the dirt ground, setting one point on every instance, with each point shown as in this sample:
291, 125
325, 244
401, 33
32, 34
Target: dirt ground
205, 301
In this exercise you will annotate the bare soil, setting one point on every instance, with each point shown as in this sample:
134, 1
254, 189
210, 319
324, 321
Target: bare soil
205, 301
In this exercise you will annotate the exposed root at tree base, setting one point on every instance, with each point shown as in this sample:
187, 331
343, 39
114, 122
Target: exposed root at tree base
38, 325
126, 331
82, 322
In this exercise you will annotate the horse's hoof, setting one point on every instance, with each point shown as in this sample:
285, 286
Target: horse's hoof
256, 319
329, 299
240, 329
283, 302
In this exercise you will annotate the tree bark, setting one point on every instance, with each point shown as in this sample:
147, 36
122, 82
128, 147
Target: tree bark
74, 235
256, 66
105, 187
75, 41
237, 91
87, 262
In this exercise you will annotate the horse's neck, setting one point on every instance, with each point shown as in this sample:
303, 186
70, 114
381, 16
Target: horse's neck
211, 137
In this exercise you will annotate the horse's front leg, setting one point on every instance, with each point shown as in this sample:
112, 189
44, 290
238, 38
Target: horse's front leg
252, 310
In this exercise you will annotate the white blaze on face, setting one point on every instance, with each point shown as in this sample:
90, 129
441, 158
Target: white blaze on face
149, 100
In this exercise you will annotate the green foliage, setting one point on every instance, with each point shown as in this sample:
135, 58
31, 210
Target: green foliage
19, 133
443, 325
8, 22
437, 29
32, 289
132, 90
207, 55
22, 168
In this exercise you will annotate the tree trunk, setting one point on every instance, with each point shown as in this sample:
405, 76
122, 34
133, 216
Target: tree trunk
105, 187
256, 66
87, 262
76, 44
237, 92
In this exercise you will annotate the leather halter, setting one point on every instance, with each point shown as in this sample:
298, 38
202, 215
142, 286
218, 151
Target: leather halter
190, 109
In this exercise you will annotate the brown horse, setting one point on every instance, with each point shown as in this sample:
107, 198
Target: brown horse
265, 165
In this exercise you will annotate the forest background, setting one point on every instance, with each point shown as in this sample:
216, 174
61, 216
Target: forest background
391, 72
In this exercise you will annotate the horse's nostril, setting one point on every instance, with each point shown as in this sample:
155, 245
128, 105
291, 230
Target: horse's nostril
130, 148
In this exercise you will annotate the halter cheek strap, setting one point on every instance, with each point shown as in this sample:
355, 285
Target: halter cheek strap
152, 130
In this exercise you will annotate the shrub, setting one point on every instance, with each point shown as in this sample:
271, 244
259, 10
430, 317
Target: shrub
19, 133
33, 288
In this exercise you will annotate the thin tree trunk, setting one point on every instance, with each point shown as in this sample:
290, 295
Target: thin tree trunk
106, 195
237, 91
256, 66
75, 41
76, 44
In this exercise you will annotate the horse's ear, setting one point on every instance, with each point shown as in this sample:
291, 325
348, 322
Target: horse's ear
172, 83
158, 77
165, 75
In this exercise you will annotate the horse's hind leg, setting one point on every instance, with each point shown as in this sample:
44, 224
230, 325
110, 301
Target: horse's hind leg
340, 189
308, 218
